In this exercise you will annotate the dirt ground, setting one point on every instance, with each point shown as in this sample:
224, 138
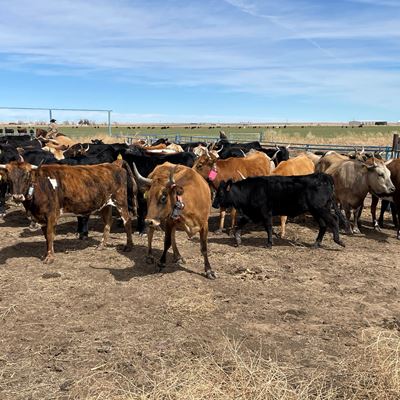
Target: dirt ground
95, 322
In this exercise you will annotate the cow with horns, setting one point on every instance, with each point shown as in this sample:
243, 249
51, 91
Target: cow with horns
49, 191
178, 198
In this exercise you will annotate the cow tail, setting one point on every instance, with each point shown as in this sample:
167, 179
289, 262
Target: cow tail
131, 188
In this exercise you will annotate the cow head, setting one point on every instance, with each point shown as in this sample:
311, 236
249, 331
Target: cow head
378, 177
164, 200
223, 195
19, 175
204, 164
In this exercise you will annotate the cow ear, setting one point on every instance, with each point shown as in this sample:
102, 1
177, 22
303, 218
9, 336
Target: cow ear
179, 190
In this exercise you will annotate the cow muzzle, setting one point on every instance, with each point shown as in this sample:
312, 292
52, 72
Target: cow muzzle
18, 198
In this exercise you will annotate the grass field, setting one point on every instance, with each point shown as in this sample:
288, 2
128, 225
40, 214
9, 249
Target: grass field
341, 134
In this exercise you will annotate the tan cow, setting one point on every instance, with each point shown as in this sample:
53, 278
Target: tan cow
178, 198
216, 170
354, 179
300, 165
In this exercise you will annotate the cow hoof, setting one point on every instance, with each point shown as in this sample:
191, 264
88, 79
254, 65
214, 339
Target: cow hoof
356, 230
211, 274
179, 260
48, 260
160, 266
340, 243
100, 247
149, 260
218, 232
127, 248
83, 236
398, 236
238, 240
316, 245
268, 245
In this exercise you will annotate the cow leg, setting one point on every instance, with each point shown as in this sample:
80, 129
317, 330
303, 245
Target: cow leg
233, 221
3, 190
126, 219
149, 257
283, 225
242, 221
167, 245
83, 228
374, 203
222, 213
395, 211
326, 219
357, 214
267, 222
347, 212
177, 256
210, 274
106, 214
49, 233
141, 213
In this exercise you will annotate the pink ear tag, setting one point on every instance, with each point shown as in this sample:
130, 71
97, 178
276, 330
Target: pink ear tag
212, 175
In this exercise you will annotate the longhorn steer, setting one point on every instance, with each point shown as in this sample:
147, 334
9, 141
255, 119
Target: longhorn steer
49, 191
177, 198
260, 198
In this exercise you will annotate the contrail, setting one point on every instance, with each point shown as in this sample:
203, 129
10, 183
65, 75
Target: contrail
250, 9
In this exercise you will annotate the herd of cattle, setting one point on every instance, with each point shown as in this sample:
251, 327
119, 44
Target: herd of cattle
173, 187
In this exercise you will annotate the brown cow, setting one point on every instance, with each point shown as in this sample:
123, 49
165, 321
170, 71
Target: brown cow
300, 165
394, 168
177, 198
216, 170
49, 191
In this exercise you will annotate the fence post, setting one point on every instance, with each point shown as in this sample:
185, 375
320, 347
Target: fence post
395, 145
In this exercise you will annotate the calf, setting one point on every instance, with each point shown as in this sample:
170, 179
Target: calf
260, 198
215, 171
300, 165
49, 191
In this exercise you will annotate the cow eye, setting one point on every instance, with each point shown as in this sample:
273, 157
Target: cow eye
163, 199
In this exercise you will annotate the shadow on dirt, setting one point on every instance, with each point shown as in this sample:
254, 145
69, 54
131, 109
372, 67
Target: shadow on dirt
38, 249
141, 268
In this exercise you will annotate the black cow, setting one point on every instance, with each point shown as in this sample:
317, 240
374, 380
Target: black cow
260, 198
191, 145
145, 164
277, 154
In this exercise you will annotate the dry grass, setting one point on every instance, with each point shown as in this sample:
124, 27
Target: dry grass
231, 371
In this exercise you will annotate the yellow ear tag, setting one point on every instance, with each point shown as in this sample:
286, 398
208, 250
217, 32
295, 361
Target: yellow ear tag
119, 157
145, 194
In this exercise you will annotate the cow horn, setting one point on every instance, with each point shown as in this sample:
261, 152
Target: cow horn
287, 147
85, 150
275, 154
362, 150
218, 151
2, 166
241, 175
34, 166
142, 180
21, 159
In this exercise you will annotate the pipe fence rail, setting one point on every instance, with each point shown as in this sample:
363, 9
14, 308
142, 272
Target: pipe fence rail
388, 151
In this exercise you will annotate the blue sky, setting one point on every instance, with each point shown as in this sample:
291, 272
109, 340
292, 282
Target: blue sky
205, 60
